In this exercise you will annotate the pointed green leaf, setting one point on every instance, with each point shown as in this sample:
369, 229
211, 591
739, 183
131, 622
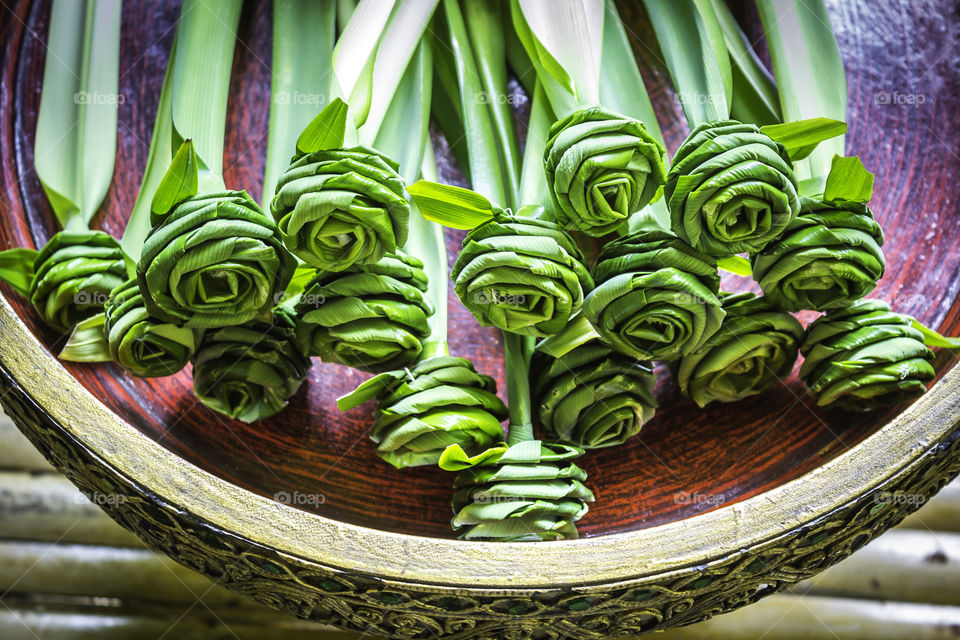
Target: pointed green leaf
557, 83
454, 458
578, 332
933, 338
451, 206
801, 137
16, 269
328, 130
181, 181
735, 264
88, 342
848, 180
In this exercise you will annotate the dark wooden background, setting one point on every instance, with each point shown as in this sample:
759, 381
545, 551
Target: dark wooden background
686, 460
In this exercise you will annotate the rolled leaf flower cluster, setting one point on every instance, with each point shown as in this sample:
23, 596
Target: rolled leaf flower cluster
139, 343
755, 347
655, 297
592, 396
829, 256
216, 260
532, 492
249, 372
372, 317
521, 274
440, 402
340, 207
731, 189
601, 167
865, 356
74, 274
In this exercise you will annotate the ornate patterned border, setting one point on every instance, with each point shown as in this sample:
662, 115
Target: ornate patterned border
410, 610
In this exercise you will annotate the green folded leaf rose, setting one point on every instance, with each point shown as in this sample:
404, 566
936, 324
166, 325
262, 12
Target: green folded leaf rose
139, 343
74, 274
829, 256
529, 493
865, 356
731, 189
440, 402
592, 396
340, 207
372, 317
655, 295
250, 372
215, 260
521, 274
601, 167
755, 347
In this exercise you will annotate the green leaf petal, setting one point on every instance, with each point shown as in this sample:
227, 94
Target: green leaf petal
933, 338
451, 206
16, 269
180, 182
735, 264
454, 458
329, 130
88, 342
801, 137
848, 180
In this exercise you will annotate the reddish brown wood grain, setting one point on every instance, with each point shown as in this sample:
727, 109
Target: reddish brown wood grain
686, 460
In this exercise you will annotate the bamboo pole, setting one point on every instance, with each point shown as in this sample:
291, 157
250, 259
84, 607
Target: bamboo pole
941, 513
791, 617
46, 507
110, 572
16, 452
903, 564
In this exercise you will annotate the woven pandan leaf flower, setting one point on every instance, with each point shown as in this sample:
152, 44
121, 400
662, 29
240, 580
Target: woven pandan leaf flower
250, 372
865, 356
372, 317
731, 189
340, 207
829, 256
531, 492
521, 274
592, 396
655, 295
440, 402
215, 260
755, 347
139, 343
601, 167
74, 274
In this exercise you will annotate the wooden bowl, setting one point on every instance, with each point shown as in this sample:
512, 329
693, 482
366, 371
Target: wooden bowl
705, 511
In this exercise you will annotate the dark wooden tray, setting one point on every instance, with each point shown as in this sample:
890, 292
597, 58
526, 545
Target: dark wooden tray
696, 493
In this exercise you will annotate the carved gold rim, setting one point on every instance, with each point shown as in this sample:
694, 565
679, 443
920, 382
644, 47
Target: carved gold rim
603, 560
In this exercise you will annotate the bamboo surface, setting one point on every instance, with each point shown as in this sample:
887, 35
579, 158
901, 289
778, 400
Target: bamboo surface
69, 572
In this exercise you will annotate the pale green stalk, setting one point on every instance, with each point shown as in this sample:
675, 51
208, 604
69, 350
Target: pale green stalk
76, 136
303, 37
811, 80
533, 181
517, 352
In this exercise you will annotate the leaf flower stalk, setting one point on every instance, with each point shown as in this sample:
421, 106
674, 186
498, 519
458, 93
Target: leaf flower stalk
755, 347
591, 396
74, 274
601, 167
373, 317
249, 372
828, 257
139, 343
731, 189
656, 296
864, 356
215, 260
340, 207
525, 490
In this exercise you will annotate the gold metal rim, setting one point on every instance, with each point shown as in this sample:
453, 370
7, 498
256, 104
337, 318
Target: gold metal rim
615, 558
